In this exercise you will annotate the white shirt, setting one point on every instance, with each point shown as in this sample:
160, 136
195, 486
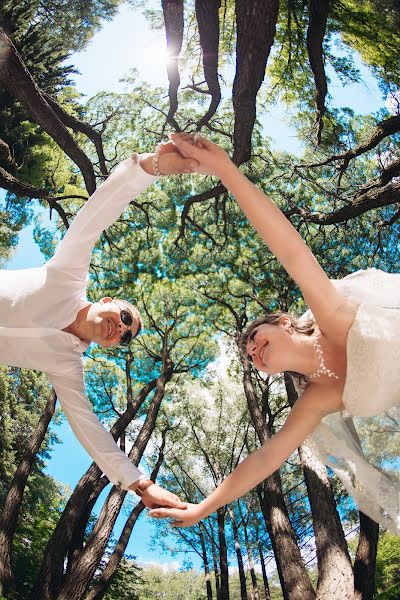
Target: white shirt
37, 304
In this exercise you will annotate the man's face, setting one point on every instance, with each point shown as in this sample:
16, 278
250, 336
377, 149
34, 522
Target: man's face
104, 318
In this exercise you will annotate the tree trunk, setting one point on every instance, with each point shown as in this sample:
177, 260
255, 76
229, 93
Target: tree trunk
255, 31
264, 572
86, 562
318, 10
242, 575
294, 579
104, 581
223, 555
255, 593
216, 571
173, 21
335, 573
74, 516
208, 23
365, 560
12, 503
207, 577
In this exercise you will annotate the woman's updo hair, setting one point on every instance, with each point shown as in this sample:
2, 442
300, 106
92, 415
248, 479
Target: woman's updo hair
305, 324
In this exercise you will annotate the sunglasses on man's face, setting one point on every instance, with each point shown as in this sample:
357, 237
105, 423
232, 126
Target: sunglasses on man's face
127, 320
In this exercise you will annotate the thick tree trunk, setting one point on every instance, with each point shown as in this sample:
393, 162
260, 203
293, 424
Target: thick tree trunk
51, 572
365, 560
319, 10
223, 555
335, 573
207, 577
173, 21
208, 23
242, 575
294, 579
87, 561
255, 26
74, 516
12, 503
104, 581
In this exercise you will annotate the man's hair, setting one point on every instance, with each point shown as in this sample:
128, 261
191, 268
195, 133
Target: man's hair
131, 308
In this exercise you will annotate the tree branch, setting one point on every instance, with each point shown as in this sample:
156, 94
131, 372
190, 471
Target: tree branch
382, 130
256, 25
173, 19
77, 125
24, 190
318, 10
213, 193
366, 199
18, 81
208, 23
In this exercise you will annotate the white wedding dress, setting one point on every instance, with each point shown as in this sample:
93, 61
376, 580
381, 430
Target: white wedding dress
362, 444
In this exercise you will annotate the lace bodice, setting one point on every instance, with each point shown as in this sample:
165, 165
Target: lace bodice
373, 361
364, 450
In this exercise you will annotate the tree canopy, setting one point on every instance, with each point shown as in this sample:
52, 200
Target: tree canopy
185, 254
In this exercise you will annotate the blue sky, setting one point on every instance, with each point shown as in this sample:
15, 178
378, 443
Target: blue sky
123, 43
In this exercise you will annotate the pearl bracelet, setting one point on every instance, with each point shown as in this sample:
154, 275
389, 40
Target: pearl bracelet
156, 158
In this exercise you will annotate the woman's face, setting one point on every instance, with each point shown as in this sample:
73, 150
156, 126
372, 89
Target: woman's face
268, 345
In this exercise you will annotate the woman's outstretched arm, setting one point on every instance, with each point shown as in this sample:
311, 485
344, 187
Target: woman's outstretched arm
303, 418
277, 232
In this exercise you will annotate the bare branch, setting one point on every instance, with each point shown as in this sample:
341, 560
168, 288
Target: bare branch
5, 154
213, 193
382, 130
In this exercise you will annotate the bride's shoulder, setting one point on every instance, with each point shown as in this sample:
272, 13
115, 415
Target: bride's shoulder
341, 318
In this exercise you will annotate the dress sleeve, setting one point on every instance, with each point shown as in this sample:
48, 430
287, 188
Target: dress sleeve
99, 212
97, 441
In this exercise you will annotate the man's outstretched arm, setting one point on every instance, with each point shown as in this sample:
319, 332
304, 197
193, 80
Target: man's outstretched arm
102, 447
130, 178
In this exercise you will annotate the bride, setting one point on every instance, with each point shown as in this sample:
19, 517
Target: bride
345, 350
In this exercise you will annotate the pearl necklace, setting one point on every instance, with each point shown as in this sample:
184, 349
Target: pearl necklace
322, 369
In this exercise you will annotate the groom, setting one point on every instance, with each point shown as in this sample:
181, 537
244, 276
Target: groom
46, 321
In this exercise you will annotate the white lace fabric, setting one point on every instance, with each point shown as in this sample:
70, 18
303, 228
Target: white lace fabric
362, 444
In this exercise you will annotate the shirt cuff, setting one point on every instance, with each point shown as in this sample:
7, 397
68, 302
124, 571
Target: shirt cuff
140, 478
134, 176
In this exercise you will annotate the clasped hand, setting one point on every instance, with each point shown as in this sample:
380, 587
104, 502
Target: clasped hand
166, 505
180, 518
186, 153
